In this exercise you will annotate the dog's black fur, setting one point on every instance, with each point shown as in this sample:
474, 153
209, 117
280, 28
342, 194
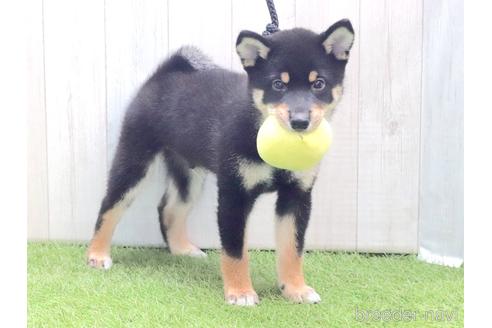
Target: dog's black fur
201, 116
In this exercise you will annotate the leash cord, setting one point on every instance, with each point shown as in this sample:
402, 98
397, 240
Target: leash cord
273, 26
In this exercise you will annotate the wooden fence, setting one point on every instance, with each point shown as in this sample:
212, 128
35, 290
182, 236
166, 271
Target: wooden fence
87, 59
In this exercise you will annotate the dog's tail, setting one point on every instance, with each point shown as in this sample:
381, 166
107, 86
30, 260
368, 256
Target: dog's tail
187, 59
195, 58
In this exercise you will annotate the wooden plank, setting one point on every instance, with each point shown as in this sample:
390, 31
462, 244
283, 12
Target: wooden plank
334, 218
136, 43
37, 179
76, 115
441, 193
389, 129
205, 24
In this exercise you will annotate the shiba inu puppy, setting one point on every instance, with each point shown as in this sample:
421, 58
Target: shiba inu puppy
200, 118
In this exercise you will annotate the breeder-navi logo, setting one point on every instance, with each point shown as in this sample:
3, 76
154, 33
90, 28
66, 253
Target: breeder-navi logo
386, 315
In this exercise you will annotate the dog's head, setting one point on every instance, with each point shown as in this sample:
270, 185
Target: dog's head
297, 74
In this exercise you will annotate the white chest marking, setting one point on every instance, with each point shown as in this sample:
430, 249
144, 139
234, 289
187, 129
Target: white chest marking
253, 174
306, 178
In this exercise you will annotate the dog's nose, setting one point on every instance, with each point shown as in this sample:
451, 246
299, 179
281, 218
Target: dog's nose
299, 125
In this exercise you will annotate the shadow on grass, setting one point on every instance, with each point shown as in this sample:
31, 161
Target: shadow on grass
159, 261
203, 272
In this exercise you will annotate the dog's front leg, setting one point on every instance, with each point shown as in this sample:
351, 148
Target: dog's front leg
234, 207
293, 210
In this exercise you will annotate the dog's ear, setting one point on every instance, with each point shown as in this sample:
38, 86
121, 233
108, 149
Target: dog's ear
250, 46
338, 39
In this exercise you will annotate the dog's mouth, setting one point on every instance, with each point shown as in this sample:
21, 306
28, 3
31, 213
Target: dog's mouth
297, 127
295, 123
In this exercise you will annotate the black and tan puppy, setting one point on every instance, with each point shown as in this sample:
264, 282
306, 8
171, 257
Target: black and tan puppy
202, 118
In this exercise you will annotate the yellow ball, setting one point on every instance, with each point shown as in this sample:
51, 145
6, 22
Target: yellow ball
292, 150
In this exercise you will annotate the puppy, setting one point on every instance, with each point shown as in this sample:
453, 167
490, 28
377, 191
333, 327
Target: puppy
202, 118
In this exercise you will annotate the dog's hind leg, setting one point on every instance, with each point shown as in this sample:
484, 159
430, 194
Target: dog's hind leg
184, 187
130, 165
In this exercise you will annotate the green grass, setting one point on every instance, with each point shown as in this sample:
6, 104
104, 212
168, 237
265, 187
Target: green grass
150, 288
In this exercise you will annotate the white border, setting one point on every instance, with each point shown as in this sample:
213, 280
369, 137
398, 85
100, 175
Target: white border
13, 163
478, 162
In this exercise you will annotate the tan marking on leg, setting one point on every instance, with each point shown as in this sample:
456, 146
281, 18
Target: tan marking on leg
236, 273
101, 242
289, 264
285, 77
313, 75
99, 251
175, 214
177, 237
238, 288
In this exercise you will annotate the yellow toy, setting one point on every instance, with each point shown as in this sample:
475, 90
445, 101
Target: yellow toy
290, 150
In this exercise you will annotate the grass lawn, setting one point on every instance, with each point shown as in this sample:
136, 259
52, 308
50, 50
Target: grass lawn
150, 288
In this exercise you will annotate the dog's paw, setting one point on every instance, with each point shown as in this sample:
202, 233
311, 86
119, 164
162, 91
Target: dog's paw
242, 298
303, 294
190, 250
99, 260
197, 252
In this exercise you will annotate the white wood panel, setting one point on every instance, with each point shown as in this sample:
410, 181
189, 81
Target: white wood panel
205, 24
389, 130
37, 178
136, 43
334, 215
76, 115
441, 198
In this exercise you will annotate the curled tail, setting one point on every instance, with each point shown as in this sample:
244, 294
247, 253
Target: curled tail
187, 59
195, 58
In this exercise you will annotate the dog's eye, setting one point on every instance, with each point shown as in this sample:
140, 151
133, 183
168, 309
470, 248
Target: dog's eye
278, 85
319, 84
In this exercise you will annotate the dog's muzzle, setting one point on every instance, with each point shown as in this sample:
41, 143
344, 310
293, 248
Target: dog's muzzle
299, 121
